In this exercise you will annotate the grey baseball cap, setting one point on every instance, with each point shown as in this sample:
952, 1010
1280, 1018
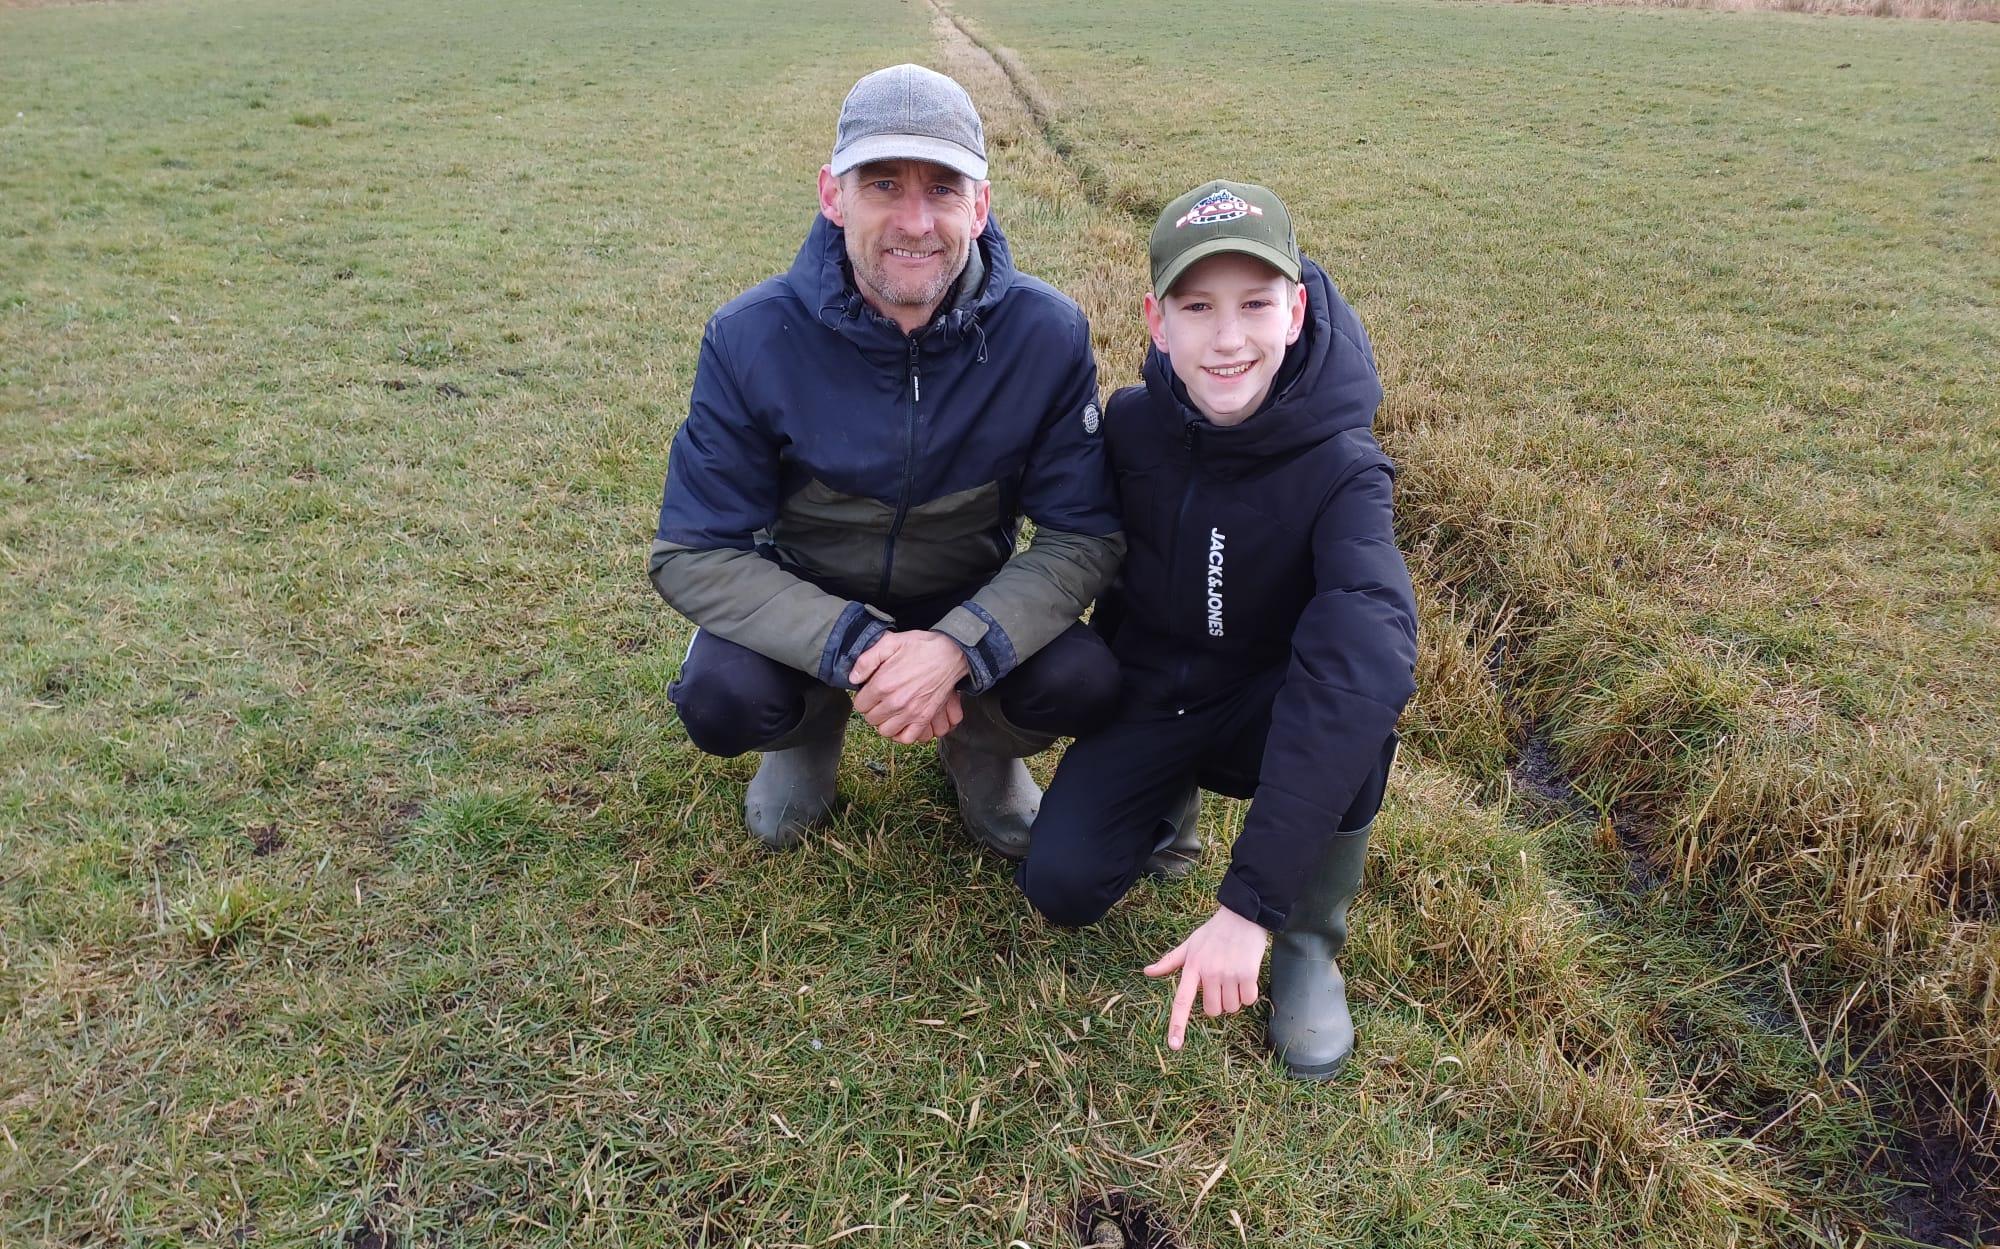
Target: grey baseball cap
907, 112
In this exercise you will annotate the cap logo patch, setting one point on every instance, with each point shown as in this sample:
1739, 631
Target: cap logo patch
1089, 418
1219, 207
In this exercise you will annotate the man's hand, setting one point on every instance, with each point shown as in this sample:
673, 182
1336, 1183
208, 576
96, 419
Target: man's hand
909, 685
1223, 958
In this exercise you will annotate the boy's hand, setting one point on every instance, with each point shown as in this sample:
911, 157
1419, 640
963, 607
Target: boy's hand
909, 685
1223, 958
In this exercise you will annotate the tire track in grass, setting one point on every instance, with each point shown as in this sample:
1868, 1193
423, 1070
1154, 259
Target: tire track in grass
1865, 862
1098, 259
1040, 108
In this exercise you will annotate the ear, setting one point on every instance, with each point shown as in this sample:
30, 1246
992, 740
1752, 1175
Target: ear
1298, 315
829, 197
982, 206
1156, 321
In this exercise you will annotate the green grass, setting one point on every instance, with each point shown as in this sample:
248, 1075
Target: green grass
1690, 373
355, 878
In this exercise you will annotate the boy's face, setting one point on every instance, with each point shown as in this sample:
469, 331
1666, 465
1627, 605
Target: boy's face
1225, 326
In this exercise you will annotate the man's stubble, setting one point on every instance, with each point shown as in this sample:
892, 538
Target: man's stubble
869, 274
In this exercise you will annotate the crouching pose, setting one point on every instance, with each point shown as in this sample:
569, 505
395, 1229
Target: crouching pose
1265, 626
864, 436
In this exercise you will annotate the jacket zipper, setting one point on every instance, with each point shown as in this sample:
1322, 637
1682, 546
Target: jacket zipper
1189, 439
909, 472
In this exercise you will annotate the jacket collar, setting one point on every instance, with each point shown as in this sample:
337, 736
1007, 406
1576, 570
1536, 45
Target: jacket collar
820, 277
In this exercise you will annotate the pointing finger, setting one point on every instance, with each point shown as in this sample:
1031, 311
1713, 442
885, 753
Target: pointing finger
1183, 1003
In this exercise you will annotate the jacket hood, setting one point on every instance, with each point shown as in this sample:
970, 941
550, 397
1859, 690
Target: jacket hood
1325, 386
821, 280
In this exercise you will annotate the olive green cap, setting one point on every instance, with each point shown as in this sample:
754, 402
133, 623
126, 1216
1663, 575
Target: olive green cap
1219, 217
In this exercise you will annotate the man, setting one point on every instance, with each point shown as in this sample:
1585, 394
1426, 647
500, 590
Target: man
841, 506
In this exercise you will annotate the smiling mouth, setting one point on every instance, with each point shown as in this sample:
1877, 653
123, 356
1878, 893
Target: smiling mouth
1228, 371
903, 253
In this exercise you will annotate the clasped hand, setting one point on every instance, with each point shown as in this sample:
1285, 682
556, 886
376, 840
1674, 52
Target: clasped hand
1223, 959
909, 685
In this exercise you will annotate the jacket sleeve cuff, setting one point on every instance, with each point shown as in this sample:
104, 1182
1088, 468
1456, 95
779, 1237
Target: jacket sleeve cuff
1236, 894
989, 652
852, 634
1282, 835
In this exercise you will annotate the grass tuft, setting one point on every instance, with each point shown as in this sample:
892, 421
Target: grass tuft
489, 822
220, 915
1632, 705
427, 351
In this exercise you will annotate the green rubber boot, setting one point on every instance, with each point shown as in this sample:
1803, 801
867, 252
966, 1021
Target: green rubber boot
1179, 847
997, 798
1310, 1029
793, 787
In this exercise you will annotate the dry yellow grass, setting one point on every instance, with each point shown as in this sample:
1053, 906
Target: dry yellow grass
1939, 10
1674, 547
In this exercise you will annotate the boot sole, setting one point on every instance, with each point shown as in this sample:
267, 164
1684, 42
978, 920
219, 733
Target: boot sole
1168, 869
789, 835
1315, 1074
1010, 855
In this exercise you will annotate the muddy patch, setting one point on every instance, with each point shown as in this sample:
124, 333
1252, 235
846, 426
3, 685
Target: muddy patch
1119, 1221
1537, 774
372, 1233
1948, 1195
393, 825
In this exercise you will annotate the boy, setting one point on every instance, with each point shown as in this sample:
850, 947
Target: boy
1266, 627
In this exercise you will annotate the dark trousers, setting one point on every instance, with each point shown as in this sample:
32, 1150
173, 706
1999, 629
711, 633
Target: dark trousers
1102, 815
732, 699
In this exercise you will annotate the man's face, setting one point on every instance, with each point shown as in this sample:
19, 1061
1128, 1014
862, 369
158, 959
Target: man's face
909, 226
1225, 326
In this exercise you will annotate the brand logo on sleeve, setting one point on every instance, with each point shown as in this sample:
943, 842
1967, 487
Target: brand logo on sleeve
1215, 540
1090, 415
1222, 206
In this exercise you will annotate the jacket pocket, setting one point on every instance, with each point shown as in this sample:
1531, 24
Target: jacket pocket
837, 539
950, 543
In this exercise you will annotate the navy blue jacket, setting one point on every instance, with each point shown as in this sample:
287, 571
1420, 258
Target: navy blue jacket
1270, 544
833, 468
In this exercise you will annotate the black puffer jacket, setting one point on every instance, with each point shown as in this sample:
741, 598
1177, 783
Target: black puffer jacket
1270, 544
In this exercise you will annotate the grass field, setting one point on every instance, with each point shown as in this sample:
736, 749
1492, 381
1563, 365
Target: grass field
357, 886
